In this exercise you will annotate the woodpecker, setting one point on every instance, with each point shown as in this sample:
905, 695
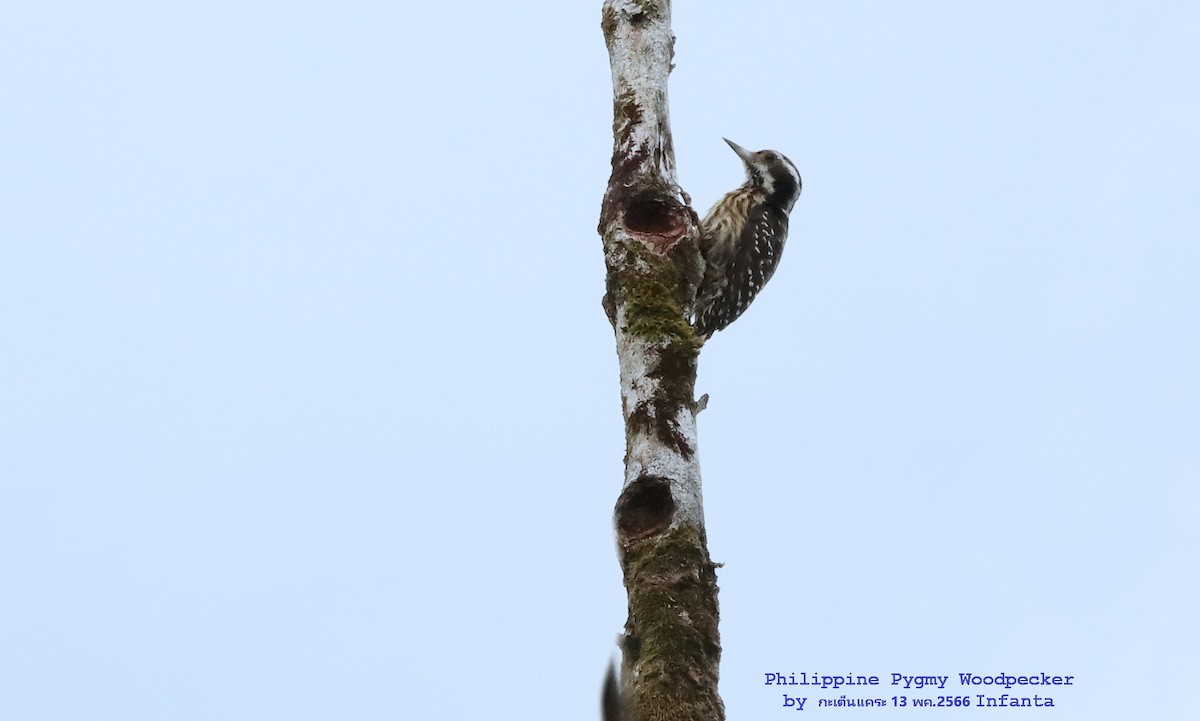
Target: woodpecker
742, 238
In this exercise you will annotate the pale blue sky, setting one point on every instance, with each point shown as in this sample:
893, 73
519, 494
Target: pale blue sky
308, 408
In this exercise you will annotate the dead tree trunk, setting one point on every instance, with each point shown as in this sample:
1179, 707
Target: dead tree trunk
671, 647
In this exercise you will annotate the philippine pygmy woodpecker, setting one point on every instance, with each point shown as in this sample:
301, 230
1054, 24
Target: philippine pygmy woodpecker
742, 238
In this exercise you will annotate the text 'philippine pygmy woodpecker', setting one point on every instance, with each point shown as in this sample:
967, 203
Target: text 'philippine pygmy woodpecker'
742, 238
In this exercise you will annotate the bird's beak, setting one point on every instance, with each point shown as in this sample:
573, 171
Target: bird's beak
741, 152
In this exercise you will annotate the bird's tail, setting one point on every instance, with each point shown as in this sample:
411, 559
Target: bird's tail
612, 704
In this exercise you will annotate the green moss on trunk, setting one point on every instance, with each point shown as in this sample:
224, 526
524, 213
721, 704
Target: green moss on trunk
657, 288
672, 626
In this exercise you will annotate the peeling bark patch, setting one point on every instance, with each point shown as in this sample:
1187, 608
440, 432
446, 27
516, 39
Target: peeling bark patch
644, 508
676, 372
608, 25
658, 419
627, 116
636, 13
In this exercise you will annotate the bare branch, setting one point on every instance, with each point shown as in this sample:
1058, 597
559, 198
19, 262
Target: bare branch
671, 645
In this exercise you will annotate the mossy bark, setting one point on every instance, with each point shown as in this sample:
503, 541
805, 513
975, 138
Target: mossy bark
671, 640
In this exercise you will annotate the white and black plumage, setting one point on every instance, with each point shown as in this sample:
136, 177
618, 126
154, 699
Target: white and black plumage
742, 238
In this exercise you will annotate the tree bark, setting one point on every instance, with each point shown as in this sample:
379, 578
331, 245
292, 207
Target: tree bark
671, 647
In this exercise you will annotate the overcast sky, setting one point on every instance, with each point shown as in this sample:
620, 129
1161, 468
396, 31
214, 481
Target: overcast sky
309, 409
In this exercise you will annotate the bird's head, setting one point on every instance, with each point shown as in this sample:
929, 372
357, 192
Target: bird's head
771, 171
